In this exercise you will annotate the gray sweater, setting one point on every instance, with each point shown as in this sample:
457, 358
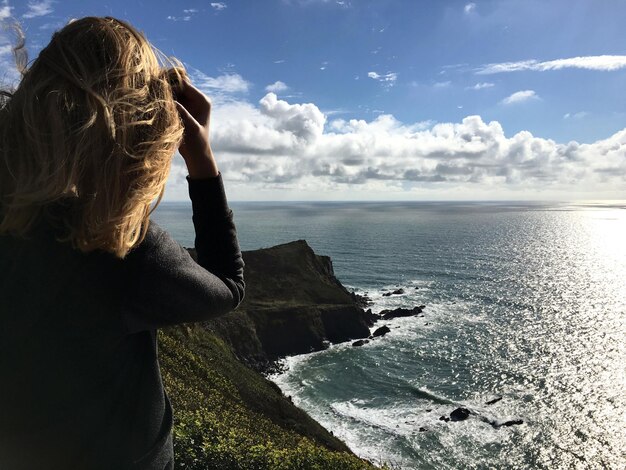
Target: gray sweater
80, 385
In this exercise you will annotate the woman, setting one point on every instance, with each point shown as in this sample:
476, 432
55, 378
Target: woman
86, 142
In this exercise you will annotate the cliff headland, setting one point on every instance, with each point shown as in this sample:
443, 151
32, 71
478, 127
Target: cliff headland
294, 304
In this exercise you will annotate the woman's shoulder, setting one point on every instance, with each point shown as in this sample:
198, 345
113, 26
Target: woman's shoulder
157, 244
154, 234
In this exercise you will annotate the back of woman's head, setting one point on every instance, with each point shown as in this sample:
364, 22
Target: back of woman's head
87, 138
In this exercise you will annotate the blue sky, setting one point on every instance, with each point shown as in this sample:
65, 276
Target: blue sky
387, 99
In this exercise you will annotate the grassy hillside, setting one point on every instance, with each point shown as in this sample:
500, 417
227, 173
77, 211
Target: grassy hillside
229, 417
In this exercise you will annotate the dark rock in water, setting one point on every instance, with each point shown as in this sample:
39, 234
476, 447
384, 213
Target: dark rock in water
360, 342
428, 410
382, 331
495, 400
460, 414
444, 418
395, 292
513, 422
422, 307
400, 312
497, 425
423, 429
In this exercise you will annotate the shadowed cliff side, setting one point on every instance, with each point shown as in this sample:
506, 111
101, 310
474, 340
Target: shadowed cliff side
294, 304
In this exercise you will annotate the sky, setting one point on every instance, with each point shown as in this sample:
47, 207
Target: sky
389, 99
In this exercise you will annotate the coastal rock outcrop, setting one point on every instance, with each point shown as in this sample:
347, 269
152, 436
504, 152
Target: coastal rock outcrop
382, 331
495, 400
395, 292
459, 414
294, 304
401, 312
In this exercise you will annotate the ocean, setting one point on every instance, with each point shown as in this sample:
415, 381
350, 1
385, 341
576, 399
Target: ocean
524, 301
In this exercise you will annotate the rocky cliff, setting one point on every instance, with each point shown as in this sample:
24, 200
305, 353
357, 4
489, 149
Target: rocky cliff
294, 304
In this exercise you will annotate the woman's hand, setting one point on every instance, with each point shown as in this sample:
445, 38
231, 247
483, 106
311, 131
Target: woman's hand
194, 109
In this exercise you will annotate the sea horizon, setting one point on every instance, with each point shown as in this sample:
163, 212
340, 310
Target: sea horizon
530, 201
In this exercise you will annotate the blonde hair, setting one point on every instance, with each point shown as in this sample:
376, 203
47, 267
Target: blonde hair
87, 138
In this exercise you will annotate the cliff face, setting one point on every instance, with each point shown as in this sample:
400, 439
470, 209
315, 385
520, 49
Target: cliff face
294, 304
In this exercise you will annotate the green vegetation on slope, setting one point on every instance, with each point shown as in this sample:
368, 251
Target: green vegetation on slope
227, 416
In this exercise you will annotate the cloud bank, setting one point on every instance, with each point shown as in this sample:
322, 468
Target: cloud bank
293, 148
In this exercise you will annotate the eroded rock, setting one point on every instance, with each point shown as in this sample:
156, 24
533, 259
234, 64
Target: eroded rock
460, 414
382, 331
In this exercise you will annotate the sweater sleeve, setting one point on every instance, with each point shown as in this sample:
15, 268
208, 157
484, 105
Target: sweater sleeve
169, 286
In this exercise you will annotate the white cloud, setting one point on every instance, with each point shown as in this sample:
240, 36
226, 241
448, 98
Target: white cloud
188, 14
277, 87
388, 79
600, 62
36, 9
481, 86
520, 96
445, 84
578, 115
225, 84
5, 11
470, 7
219, 6
305, 121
